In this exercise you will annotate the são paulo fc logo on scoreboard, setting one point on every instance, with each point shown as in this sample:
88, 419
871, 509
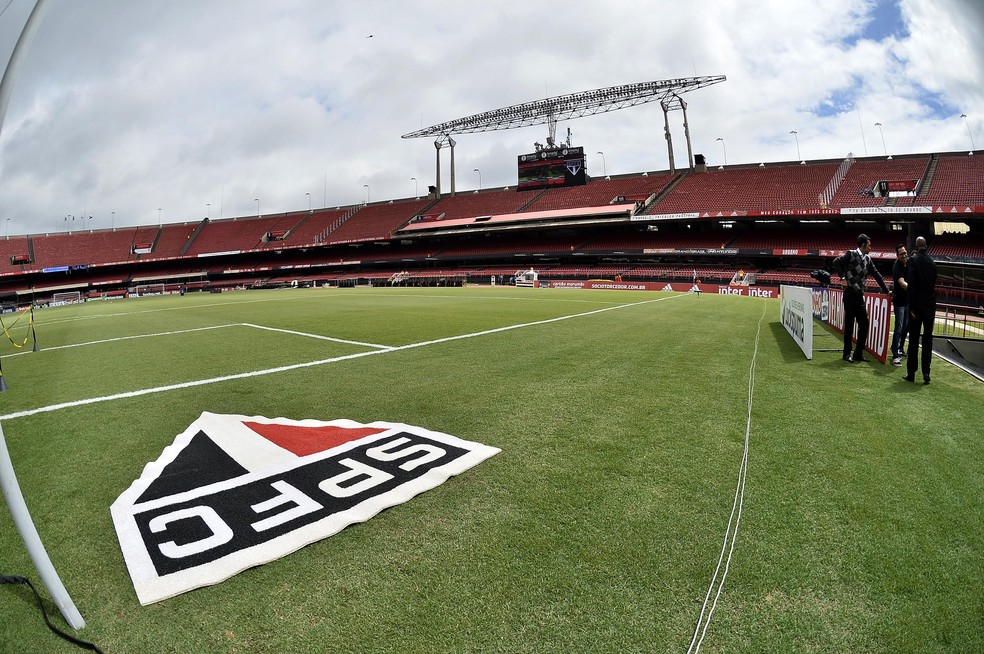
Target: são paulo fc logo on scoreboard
233, 492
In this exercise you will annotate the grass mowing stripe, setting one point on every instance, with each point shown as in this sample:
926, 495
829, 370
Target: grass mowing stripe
309, 364
730, 536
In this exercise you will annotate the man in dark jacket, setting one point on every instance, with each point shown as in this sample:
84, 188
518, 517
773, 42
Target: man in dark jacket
854, 266
921, 276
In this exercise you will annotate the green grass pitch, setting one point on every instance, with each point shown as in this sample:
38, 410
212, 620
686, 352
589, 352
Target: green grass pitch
622, 420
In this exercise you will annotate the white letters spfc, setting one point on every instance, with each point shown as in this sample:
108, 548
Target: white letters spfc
233, 492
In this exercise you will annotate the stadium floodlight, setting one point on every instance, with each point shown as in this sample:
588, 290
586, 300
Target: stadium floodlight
796, 137
969, 133
884, 148
551, 110
573, 105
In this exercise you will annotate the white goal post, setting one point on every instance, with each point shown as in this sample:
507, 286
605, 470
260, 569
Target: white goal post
32, 541
148, 289
66, 297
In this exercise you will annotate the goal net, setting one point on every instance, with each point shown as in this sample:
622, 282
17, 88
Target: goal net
67, 297
148, 289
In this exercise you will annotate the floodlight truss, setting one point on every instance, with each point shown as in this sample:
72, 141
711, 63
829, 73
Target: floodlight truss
564, 107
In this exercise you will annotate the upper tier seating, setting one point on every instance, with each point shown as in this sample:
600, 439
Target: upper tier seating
483, 203
316, 223
89, 248
769, 188
376, 222
864, 175
599, 192
12, 246
173, 239
232, 235
957, 180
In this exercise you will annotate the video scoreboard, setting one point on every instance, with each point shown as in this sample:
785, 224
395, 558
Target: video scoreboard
553, 168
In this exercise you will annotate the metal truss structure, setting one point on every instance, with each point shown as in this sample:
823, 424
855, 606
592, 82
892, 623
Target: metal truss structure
574, 105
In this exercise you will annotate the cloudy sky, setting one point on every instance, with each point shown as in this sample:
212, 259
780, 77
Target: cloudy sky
134, 112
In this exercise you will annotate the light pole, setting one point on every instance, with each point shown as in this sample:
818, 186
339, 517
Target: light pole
604, 164
257, 201
476, 170
969, 133
6, 231
725, 148
309, 201
884, 149
368, 192
415, 194
160, 220
113, 220
208, 210
796, 137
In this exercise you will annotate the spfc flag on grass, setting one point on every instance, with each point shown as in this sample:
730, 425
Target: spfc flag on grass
233, 492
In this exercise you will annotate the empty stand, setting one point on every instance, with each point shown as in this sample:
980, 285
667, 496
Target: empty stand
87, 248
232, 235
769, 188
376, 222
658, 241
484, 203
865, 174
10, 247
599, 192
173, 239
963, 246
958, 180
317, 222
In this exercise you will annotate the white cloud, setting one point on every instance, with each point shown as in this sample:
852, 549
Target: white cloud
128, 107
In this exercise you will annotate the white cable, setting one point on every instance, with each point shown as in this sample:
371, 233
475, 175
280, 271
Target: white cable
731, 534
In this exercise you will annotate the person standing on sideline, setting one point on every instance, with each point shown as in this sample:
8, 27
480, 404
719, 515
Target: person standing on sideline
900, 301
854, 266
921, 276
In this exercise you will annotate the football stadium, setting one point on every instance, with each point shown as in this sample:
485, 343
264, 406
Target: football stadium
572, 414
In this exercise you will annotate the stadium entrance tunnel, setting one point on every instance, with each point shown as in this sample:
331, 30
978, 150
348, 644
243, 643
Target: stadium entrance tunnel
966, 353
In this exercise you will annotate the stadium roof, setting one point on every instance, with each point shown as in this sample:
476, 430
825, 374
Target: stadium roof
574, 105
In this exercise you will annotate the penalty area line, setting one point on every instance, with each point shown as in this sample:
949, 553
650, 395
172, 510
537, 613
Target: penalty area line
311, 364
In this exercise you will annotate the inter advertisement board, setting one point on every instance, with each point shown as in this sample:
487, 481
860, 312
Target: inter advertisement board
771, 292
828, 306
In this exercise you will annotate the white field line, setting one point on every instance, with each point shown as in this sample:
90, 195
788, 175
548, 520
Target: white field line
200, 329
309, 364
731, 534
126, 338
330, 294
318, 336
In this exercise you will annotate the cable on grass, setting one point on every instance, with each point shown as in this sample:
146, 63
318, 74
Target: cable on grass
13, 579
731, 534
